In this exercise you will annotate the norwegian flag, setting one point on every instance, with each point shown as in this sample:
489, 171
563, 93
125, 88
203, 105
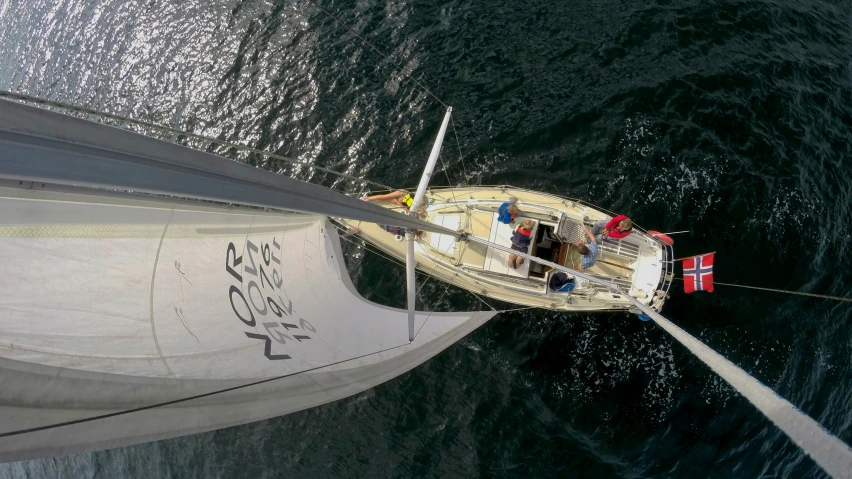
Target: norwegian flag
698, 273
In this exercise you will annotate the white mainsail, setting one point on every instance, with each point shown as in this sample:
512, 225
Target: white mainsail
112, 302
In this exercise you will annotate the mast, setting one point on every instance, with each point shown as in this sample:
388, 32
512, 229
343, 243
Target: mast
410, 262
826, 449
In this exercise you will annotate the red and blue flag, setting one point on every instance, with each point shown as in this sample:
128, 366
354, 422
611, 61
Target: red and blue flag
698, 273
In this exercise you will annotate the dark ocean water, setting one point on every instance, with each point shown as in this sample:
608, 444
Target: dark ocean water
732, 119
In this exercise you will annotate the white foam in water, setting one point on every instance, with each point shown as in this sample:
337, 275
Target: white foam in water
621, 358
700, 184
671, 179
479, 166
828, 451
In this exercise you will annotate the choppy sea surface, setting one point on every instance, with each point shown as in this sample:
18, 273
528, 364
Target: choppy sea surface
731, 119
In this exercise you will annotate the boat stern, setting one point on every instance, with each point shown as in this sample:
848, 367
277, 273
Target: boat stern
653, 270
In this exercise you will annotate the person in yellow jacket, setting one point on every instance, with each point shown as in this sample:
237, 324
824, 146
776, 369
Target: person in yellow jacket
399, 197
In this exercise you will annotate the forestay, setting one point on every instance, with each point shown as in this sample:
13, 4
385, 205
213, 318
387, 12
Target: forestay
112, 302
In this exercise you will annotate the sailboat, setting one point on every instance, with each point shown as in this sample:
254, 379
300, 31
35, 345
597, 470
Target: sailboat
641, 265
475, 257
149, 290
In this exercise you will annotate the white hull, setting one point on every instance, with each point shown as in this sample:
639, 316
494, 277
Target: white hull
640, 264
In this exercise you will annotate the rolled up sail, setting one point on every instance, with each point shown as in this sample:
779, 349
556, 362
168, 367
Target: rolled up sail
42, 146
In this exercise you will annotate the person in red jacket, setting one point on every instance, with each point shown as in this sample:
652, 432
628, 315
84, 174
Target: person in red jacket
616, 228
521, 241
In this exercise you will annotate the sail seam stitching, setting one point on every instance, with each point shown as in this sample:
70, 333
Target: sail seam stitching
151, 296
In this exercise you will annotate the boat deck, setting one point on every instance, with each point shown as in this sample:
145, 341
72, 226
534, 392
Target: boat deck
497, 261
633, 263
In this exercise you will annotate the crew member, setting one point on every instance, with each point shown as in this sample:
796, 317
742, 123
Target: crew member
398, 197
616, 228
507, 211
561, 282
399, 231
588, 249
521, 242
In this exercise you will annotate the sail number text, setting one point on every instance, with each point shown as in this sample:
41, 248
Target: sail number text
260, 296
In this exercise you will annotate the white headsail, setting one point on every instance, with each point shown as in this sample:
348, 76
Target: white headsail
193, 316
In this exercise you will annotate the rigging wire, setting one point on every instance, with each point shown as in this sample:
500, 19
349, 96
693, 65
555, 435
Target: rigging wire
422, 285
406, 76
189, 398
458, 144
487, 304
236, 146
385, 56
519, 309
798, 293
444, 167
372, 249
447, 288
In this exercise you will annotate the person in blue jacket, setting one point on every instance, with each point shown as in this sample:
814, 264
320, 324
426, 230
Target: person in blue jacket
507, 211
561, 282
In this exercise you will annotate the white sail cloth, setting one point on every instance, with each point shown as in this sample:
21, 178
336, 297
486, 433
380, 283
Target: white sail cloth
112, 303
